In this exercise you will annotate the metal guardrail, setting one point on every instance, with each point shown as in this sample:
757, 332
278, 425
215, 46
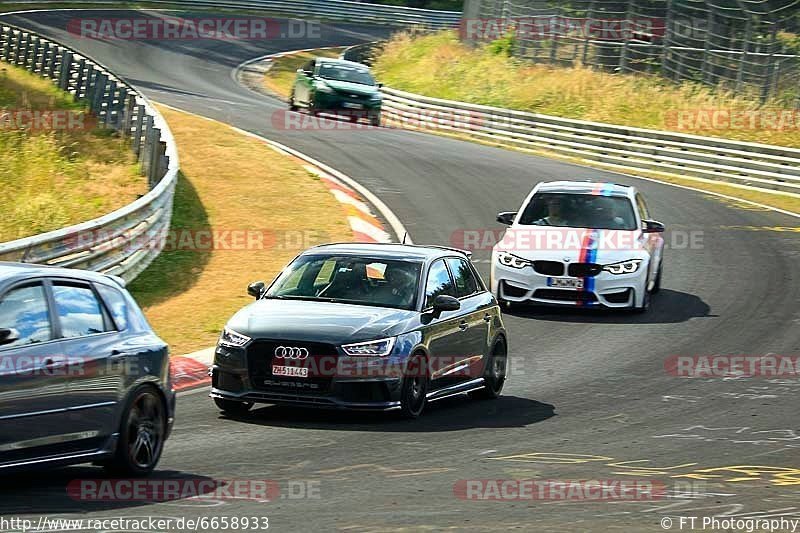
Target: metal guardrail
758, 165
619, 147
323, 9
124, 242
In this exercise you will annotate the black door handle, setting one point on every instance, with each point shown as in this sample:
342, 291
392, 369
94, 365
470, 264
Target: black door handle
463, 325
487, 317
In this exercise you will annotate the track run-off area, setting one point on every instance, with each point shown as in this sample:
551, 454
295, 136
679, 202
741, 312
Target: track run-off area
588, 396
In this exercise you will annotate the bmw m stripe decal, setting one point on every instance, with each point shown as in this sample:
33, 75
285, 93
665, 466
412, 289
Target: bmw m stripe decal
590, 242
589, 255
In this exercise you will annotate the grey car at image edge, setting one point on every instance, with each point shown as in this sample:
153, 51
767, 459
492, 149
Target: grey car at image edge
82, 376
367, 327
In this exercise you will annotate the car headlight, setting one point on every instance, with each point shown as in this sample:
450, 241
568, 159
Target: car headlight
511, 260
376, 97
378, 348
231, 339
323, 88
624, 267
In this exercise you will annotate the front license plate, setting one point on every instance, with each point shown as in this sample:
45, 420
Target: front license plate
290, 371
350, 105
565, 283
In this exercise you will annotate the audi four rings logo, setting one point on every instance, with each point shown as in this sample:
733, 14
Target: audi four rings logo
291, 352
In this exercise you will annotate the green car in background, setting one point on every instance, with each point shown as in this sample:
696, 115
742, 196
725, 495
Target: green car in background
345, 88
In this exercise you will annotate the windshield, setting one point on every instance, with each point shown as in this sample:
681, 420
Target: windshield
349, 279
566, 210
346, 73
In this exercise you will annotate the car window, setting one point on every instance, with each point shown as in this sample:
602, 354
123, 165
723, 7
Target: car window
571, 210
78, 310
466, 284
25, 310
116, 303
439, 282
350, 279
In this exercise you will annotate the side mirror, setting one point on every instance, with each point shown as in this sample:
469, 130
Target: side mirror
652, 226
379, 85
507, 217
8, 335
256, 289
444, 302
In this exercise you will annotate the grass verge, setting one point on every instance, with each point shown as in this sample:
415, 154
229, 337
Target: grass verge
439, 65
279, 79
57, 172
231, 184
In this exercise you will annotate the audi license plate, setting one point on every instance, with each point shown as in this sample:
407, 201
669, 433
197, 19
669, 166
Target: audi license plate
565, 283
351, 105
290, 371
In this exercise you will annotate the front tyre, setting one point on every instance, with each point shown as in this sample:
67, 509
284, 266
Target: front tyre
375, 119
292, 103
494, 376
414, 392
142, 432
232, 407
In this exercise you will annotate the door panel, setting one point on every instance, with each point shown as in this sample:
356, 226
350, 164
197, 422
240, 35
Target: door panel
34, 375
90, 342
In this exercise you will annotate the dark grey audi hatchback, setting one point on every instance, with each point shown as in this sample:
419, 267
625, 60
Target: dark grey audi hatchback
82, 376
367, 327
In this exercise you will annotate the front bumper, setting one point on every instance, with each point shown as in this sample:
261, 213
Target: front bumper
341, 102
363, 394
525, 285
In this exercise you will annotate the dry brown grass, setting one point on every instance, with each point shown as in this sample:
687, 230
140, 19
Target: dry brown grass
230, 182
51, 179
439, 65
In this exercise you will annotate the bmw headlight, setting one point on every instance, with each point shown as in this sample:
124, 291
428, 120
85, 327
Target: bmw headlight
511, 260
231, 339
324, 88
624, 267
378, 348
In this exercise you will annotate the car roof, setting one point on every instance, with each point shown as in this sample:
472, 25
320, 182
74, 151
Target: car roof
389, 250
338, 61
9, 270
586, 187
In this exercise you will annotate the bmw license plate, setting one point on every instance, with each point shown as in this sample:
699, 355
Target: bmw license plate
565, 283
350, 105
290, 371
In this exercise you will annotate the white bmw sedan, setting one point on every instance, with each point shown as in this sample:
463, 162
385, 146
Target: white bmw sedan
579, 244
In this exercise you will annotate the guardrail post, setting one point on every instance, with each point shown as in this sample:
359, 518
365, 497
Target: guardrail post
128, 109
147, 145
65, 71
98, 93
17, 47
7, 35
82, 79
138, 129
111, 104
155, 158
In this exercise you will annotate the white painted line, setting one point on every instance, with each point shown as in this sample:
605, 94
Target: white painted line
362, 226
345, 198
